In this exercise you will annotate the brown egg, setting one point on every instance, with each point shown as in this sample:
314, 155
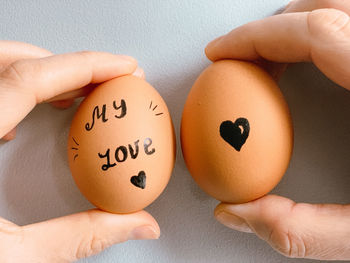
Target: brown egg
236, 132
121, 145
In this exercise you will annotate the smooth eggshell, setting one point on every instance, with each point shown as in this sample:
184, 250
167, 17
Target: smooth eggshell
226, 91
145, 116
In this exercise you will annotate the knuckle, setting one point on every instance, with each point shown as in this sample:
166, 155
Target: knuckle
90, 246
290, 244
21, 71
91, 243
328, 21
284, 237
13, 72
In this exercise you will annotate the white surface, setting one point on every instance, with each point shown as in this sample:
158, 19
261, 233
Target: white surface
168, 38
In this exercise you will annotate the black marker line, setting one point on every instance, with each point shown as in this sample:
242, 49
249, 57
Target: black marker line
73, 148
155, 107
122, 107
75, 141
75, 156
159, 114
150, 105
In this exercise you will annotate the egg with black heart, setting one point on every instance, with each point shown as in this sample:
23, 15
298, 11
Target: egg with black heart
236, 132
121, 145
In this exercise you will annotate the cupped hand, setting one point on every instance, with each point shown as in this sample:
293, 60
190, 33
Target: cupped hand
30, 75
309, 30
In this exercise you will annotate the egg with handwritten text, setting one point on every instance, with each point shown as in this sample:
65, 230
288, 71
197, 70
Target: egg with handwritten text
236, 131
121, 145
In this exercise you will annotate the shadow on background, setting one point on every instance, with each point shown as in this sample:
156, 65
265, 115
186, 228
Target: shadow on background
320, 170
36, 181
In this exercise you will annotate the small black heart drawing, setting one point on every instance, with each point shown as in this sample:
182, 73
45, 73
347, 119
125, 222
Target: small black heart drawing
232, 133
139, 180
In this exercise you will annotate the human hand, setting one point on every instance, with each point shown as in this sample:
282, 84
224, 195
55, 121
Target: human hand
30, 75
308, 30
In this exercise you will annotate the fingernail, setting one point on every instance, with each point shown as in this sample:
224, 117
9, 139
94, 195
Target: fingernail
139, 73
233, 221
143, 232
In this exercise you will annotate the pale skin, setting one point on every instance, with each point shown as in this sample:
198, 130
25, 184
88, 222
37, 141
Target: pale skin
316, 31
31, 75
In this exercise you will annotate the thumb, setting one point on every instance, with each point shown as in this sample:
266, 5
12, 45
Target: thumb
81, 235
295, 230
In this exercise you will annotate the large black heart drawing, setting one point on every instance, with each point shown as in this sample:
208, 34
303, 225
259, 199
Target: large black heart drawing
232, 134
139, 180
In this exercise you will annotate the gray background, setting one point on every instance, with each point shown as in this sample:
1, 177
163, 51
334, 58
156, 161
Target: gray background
167, 38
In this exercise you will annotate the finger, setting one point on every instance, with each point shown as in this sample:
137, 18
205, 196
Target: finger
10, 135
64, 101
11, 51
84, 234
27, 82
277, 69
295, 230
321, 36
310, 5
82, 92
65, 72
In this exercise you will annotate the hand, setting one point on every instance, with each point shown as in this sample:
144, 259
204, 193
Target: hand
308, 30
30, 75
